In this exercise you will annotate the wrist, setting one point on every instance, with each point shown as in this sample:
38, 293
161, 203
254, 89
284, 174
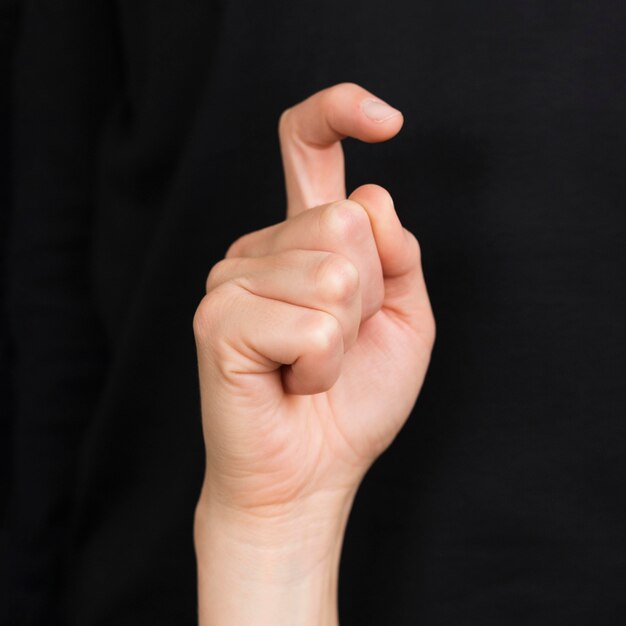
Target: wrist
278, 567
300, 532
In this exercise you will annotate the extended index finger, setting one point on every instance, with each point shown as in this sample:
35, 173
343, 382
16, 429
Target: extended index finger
310, 140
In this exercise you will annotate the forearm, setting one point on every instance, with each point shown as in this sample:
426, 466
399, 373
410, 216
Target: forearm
275, 570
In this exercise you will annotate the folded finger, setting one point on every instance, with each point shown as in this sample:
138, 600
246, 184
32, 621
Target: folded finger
318, 280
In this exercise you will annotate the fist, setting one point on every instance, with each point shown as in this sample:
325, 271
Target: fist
315, 334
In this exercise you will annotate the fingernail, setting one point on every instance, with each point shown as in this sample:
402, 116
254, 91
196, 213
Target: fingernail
378, 111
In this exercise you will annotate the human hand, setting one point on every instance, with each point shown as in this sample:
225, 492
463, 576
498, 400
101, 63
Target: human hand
315, 334
313, 341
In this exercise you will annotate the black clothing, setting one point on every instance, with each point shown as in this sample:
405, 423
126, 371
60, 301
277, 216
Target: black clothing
146, 142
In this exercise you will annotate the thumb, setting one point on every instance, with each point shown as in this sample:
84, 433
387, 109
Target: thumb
395, 249
400, 259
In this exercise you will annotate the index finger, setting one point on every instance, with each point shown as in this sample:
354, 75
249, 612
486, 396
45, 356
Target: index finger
310, 136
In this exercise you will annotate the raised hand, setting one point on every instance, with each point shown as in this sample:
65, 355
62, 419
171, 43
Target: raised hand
313, 341
315, 334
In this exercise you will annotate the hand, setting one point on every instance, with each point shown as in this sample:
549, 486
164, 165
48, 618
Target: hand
313, 341
315, 334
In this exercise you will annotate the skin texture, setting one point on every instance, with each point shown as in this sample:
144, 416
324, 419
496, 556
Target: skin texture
313, 342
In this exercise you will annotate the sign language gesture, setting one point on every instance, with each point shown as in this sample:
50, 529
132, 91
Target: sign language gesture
313, 341
315, 334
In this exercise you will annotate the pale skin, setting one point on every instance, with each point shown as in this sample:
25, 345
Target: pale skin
313, 342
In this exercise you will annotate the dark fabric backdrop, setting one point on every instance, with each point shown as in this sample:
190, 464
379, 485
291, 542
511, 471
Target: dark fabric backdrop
145, 142
8, 25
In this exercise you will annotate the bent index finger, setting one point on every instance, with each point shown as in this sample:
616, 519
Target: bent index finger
310, 136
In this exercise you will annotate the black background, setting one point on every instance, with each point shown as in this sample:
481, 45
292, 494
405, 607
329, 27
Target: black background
145, 142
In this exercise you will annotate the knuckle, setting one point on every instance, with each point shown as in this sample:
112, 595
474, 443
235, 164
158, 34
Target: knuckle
217, 273
345, 220
233, 250
239, 247
210, 313
324, 333
337, 279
